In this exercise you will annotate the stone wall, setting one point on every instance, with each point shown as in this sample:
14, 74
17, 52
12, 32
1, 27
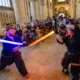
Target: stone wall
6, 16
41, 9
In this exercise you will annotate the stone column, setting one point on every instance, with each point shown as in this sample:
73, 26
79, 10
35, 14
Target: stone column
53, 7
32, 8
27, 10
21, 11
72, 8
16, 11
37, 9
77, 8
50, 8
42, 10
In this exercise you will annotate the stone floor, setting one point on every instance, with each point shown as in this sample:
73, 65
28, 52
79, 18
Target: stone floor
42, 61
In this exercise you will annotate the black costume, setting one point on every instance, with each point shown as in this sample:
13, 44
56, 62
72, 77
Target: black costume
75, 70
8, 56
73, 54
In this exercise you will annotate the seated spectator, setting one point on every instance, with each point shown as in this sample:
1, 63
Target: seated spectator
27, 36
39, 32
18, 31
32, 34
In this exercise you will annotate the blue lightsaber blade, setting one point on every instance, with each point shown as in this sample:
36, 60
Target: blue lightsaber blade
10, 42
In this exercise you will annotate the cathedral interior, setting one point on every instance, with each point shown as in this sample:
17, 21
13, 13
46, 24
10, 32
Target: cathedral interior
43, 60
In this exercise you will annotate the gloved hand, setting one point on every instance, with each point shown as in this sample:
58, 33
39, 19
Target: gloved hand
16, 49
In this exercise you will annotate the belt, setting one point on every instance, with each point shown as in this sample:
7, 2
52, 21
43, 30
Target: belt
6, 56
74, 53
75, 64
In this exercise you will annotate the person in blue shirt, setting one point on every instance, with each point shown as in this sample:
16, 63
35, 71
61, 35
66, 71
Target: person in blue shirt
11, 54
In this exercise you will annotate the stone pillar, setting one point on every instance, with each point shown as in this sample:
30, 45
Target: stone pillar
78, 9
15, 7
27, 10
32, 8
37, 9
72, 8
49, 4
50, 8
53, 7
43, 10
75, 8
21, 11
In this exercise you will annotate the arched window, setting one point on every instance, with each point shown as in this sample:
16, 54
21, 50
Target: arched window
5, 3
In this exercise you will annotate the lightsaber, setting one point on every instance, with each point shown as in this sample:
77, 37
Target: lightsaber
34, 43
10, 42
41, 39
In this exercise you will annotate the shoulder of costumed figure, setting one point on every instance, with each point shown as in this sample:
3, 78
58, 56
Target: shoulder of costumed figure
70, 27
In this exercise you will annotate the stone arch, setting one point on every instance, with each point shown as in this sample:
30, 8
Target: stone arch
61, 10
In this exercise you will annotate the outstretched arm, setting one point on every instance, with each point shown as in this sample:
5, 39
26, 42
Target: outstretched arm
59, 39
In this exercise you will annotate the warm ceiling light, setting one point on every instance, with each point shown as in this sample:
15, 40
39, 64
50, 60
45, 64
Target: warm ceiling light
67, 8
61, 0
50, 0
